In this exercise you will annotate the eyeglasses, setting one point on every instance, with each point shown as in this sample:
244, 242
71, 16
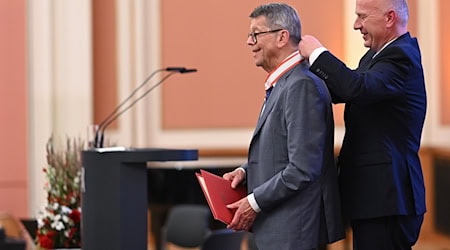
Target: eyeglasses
254, 35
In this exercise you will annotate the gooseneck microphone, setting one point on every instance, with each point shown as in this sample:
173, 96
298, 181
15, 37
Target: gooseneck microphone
99, 134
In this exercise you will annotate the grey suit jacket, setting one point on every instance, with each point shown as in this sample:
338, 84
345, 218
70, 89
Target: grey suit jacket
291, 168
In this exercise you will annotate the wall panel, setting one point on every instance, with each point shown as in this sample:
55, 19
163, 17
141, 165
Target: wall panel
104, 59
13, 108
227, 91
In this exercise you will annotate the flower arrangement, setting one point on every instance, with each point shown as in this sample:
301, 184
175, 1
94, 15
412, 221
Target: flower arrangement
60, 220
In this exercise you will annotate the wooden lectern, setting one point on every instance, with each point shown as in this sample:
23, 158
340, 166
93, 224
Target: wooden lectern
114, 195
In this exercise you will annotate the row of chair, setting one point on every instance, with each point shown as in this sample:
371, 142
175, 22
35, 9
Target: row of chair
187, 226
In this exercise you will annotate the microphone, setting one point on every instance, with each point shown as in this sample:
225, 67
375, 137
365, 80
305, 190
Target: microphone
179, 69
99, 134
182, 71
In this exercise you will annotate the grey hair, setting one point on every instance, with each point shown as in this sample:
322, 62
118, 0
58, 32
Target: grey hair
280, 15
401, 8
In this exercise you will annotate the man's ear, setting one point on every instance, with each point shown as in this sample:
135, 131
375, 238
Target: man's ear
283, 38
391, 18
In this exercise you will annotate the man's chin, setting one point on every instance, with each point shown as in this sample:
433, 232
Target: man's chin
366, 44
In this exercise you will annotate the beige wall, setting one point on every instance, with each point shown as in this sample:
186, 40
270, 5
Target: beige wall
45, 82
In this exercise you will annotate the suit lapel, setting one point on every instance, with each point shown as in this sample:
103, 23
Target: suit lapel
366, 61
271, 102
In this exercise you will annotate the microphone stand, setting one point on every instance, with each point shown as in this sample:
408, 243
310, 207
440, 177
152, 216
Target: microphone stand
113, 118
128, 98
99, 134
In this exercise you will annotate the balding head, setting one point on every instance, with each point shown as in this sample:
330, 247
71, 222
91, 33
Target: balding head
380, 21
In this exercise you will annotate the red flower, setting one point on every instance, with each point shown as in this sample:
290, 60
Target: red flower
46, 241
46, 221
75, 215
72, 232
63, 195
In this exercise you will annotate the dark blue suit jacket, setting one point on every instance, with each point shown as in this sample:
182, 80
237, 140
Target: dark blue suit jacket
380, 170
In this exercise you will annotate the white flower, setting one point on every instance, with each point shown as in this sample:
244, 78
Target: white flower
66, 210
65, 218
57, 218
58, 225
55, 206
62, 186
40, 221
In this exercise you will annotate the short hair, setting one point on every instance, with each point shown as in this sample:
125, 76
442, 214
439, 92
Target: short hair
280, 15
401, 8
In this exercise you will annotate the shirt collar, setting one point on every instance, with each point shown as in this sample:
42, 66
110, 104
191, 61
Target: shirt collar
287, 64
382, 48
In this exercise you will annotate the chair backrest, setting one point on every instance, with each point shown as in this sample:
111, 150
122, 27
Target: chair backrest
187, 225
224, 239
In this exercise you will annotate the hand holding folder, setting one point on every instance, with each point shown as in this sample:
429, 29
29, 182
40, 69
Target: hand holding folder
219, 193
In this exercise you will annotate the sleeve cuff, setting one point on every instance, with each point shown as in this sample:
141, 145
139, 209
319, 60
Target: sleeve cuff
253, 203
241, 168
315, 54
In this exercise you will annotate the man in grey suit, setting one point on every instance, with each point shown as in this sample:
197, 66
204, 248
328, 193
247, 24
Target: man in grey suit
293, 200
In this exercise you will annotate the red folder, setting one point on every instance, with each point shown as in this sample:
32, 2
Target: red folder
219, 193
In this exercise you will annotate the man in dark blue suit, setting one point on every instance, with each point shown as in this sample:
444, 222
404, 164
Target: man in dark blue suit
383, 193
